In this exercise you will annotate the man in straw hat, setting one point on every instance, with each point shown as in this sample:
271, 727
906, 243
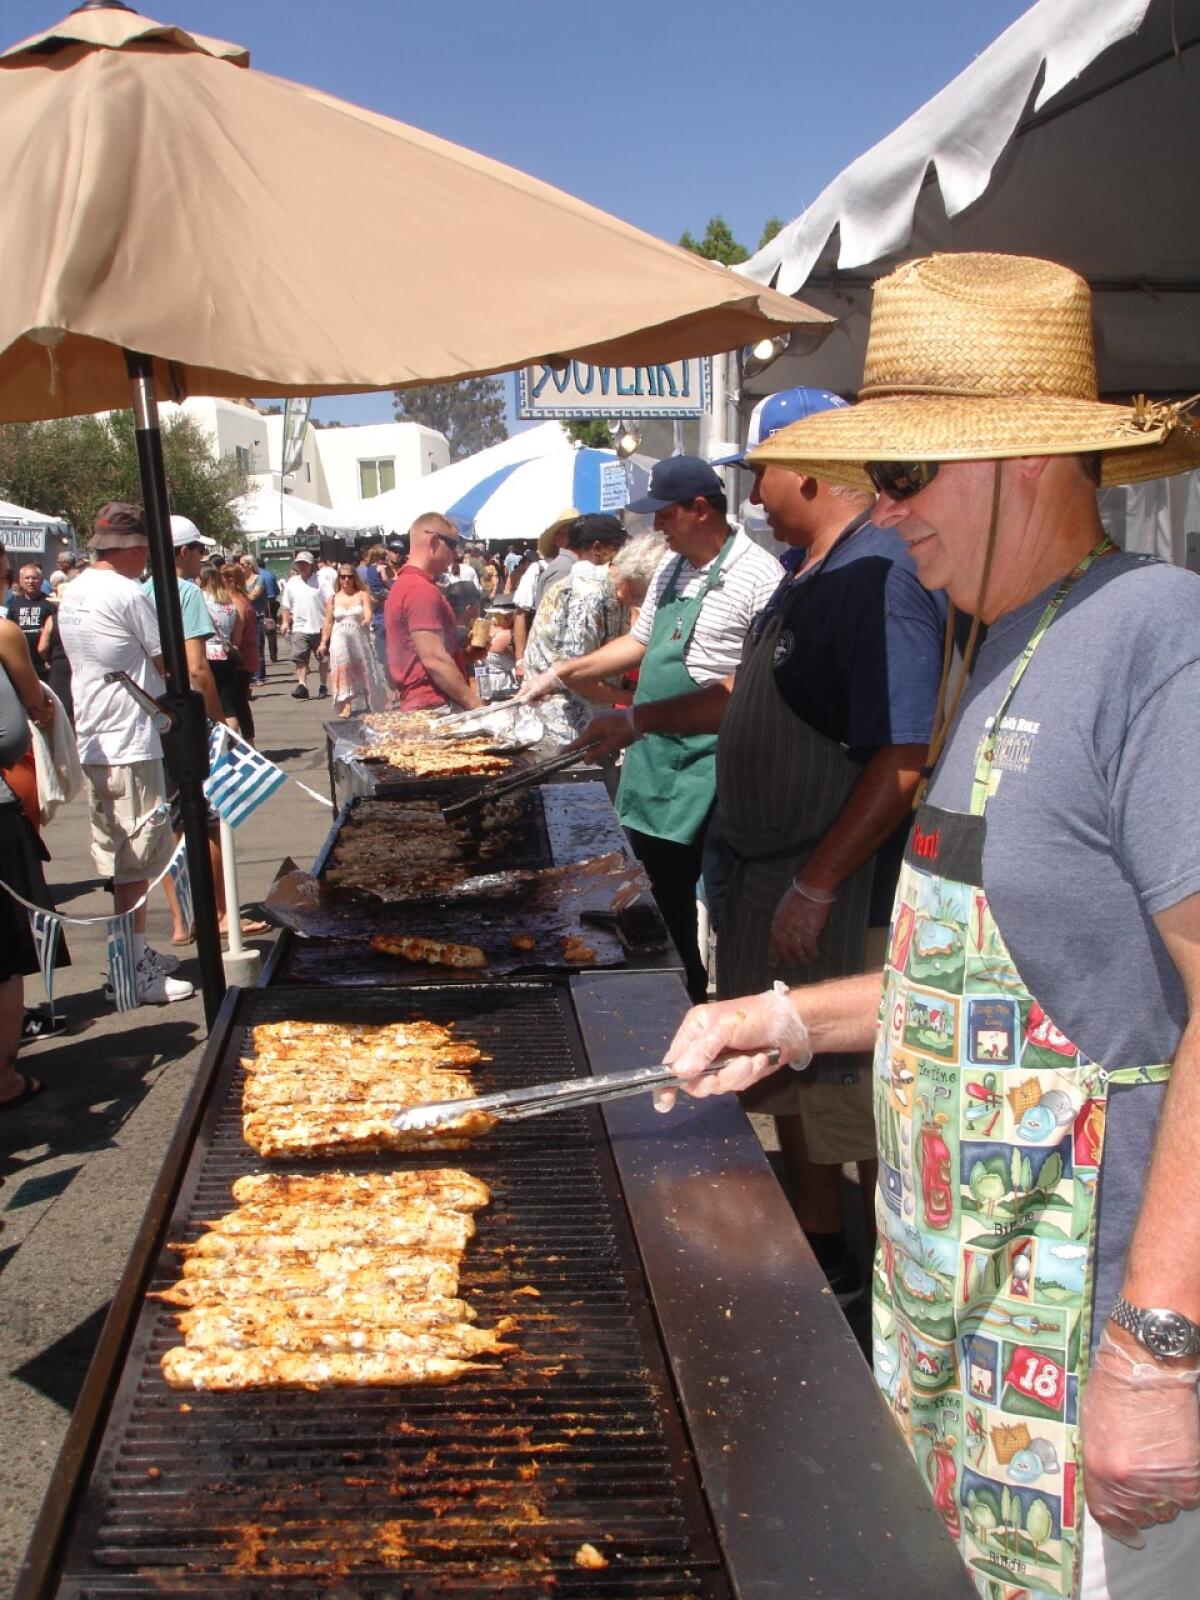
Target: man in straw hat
553, 548
1046, 934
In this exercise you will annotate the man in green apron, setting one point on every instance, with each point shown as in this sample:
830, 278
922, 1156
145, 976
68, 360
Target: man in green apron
689, 635
1036, 1028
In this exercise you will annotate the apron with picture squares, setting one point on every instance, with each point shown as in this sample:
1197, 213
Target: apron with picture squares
990, 1125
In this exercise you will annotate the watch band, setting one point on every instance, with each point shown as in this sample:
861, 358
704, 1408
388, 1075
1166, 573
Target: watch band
1168, 1335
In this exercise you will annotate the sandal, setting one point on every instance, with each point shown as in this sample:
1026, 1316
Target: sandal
30, 1089
41, 1025
188, 938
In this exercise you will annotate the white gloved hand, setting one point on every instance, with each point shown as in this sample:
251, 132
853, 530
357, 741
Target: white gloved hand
539, 686
1140, 1424
756, 1023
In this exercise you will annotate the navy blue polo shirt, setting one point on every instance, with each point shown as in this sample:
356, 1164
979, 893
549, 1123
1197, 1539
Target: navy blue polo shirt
859, 656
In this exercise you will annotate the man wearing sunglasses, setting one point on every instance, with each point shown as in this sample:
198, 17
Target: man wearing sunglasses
1036, 1026
425, 663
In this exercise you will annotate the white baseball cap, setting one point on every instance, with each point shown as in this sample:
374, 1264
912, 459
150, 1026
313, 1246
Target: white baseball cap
303, 555
185, 532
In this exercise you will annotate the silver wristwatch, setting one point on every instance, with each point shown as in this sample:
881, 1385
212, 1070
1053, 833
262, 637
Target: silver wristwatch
1168, 1335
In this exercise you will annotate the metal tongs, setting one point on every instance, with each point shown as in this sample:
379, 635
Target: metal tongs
510, 783
516, 1105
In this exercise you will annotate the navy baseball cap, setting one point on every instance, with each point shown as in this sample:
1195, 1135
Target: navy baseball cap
678, 478
777, 411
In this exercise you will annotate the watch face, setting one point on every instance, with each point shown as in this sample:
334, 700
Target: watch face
1166, 1333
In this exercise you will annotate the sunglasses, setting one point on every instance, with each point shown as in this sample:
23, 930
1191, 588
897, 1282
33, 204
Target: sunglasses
346, 574
900, 480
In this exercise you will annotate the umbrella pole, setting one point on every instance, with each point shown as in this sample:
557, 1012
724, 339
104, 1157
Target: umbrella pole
185, 747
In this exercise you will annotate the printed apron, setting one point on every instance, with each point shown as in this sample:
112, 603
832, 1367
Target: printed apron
669, 781
991, 1135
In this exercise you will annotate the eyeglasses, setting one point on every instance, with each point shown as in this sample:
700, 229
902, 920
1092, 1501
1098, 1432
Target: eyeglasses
900, 480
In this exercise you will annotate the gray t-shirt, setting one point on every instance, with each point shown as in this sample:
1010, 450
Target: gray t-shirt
552, 572
14, 724
1094, 826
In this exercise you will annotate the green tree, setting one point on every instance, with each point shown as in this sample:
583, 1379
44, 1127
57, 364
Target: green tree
470, 413
73, 466
1039, 1524
771, 227
594, 432
718, 243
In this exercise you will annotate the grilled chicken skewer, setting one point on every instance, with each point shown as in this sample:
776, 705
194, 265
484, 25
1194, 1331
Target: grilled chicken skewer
451, 1184
264, 1369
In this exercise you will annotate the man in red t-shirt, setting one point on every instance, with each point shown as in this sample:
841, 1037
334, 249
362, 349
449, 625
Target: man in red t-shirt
424, 660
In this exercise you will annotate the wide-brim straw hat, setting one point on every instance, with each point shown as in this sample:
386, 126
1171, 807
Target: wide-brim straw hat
546, 545
977, 358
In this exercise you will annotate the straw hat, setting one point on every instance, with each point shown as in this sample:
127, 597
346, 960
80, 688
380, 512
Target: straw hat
978, 357
546, 545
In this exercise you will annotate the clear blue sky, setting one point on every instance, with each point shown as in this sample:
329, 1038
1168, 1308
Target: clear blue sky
660, 111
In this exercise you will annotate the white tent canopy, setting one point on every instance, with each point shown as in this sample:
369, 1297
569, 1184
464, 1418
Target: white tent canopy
12, 513
1073, 136
264, 512
396, 510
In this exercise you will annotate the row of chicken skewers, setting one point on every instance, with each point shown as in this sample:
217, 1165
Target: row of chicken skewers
338, 1278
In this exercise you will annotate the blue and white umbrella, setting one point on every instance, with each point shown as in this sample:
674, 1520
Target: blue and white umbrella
523, 497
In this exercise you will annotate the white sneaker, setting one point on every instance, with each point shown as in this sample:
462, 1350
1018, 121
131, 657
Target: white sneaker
154, 988
163, 961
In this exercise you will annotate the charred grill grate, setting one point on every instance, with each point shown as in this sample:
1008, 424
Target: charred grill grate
484, 1488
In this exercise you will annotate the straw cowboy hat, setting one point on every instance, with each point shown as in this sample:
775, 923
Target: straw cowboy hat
978, 357
546, 545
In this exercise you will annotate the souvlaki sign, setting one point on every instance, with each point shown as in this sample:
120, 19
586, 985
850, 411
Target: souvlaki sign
577, 390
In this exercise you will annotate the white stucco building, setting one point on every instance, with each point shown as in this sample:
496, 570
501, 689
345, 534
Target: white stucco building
338, 466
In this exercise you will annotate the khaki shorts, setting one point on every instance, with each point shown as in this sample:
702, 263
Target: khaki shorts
835, 1108
301, 646
131, 825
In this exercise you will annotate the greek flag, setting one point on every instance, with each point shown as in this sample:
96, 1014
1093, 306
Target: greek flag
240, 779
181, 878
47, 931
122, 966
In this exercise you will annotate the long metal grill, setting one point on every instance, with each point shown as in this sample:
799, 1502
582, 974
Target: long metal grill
487, 1487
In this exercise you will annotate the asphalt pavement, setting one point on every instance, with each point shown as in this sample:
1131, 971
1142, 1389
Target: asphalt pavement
79, 1161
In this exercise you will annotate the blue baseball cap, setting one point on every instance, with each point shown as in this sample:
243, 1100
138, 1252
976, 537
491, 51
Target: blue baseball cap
777, 411
678, 478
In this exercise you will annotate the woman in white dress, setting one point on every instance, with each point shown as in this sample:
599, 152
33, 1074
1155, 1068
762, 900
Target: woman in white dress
346, 639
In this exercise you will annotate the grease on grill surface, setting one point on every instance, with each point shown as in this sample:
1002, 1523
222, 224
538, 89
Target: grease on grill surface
488, 1487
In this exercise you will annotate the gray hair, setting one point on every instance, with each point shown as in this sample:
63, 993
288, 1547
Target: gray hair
843, 491
638, 560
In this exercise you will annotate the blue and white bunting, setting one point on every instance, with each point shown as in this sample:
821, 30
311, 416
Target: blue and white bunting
240, 778
46, 928
122, 962
179, 875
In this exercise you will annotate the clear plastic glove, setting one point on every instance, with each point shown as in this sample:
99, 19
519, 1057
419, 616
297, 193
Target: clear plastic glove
756, 1023
607, 733
797, 925
539, 686
1140, 1423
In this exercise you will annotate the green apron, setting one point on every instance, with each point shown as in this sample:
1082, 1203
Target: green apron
669, 781
990, 1125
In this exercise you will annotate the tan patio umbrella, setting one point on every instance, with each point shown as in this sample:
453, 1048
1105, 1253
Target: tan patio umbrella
150, 190
150, 184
